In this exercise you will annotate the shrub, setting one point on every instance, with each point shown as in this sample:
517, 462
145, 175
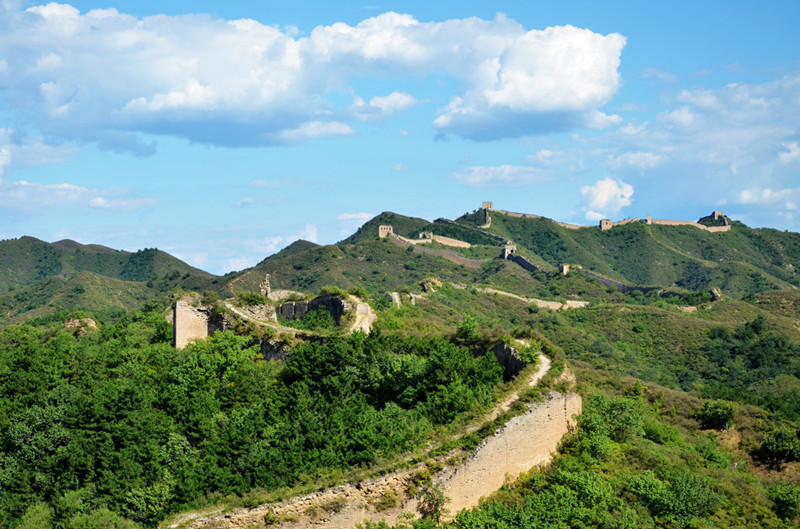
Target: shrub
781, 445
250, 299
716, 414
388, 500
785, 497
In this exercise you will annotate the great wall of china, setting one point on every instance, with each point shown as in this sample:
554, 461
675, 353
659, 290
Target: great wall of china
525, 441
607, 224
509, 250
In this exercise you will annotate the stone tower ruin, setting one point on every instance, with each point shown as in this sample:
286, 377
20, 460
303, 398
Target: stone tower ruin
264, 286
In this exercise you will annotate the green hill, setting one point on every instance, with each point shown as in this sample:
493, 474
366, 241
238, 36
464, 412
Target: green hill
27, 260
741, 261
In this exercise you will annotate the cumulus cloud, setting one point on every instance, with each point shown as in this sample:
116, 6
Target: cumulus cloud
681, 116
500, 175
309, 233
106, 77
360, 217
791, 154
715, 141
394, 102
605, 198
349, 222
24, 195
640, 160
5, 160
762, 196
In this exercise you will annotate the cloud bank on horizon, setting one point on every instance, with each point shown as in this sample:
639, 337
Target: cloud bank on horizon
104, 77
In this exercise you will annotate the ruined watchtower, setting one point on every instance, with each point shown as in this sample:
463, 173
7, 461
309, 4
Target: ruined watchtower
606, 224
487, 205
385, 231
510, 249
264, 286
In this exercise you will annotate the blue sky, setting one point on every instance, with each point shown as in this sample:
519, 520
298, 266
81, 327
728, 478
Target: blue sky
221, 132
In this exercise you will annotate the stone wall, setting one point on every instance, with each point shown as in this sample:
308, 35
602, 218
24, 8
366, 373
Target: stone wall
189, 324
571, 226
450, 256
273, 350
196, 323
508, 358
497, 238
294, 310
525, 441
524, 263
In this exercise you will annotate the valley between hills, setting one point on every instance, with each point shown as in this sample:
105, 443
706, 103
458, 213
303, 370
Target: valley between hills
494, 370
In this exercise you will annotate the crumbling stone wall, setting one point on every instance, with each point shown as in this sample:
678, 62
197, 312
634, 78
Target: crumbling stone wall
295, 310
196, 323
189, 323
508, 358
524, 263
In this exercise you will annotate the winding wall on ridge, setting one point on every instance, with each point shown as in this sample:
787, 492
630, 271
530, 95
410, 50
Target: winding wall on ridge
525, 441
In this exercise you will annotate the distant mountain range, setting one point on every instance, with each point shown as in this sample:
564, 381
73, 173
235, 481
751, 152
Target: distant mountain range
38, 278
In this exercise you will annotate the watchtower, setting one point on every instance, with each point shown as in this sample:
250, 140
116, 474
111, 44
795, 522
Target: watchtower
606, 224
510, 249
264, 286
487, 205
385, 231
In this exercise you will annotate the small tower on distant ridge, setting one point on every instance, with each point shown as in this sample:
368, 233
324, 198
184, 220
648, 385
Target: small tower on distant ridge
487, 205
264, 286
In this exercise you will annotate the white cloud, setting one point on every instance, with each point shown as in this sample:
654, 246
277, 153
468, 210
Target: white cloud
117, 204
500, 175
785, 157
318, 129
762, 196
309, 233
661, 75
640, 159
606, 197
238, 263
401, 168
24, 195
106, 77
246, 201
682, 117
360, 217
5, 160
394, 102
631, 129
349, 222
594, 215
716, 142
